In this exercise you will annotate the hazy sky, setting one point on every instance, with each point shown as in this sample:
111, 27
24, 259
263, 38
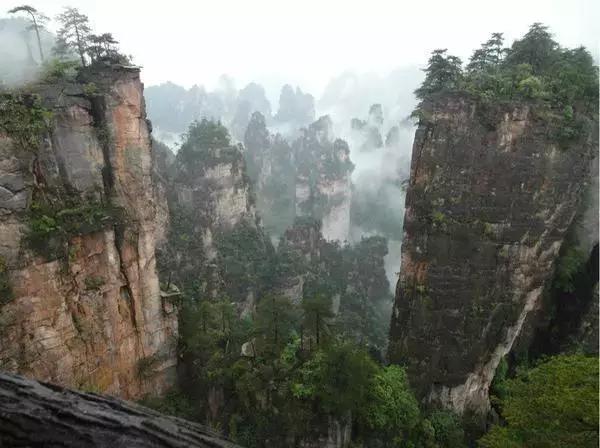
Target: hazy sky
309, 41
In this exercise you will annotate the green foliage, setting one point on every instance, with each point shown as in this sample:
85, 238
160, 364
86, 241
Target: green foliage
488, 230
94, 283
184, 251
554, 404
24, 119
74, 34
173, 402
55, 70
568, 266
90, 89
317, 317
530, 87
275, 320
498, 386
339, 378
536, 48
563, 82
489, 55
245, 259
392, 407
6, 293
447, 429
283, 389
37, 20
53, 224
439, 220
443, 73
207, 143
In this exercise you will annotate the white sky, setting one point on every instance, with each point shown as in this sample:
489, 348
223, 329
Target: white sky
309, 41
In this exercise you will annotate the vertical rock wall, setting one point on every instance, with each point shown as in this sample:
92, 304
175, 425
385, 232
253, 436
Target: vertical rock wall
489, 202
96, 320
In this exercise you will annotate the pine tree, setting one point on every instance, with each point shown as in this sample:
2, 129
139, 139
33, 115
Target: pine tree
275, 319
537, 48
490, 55
102, 46
75, 32
38, 21
443, 72
317, 316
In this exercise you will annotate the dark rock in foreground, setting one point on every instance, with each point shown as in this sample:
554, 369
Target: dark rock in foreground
34, 414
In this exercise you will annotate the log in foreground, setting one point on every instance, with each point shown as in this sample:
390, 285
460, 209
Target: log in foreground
34, 414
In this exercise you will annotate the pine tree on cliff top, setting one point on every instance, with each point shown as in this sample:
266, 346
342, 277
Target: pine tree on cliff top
443, 72
38, 21
75, 32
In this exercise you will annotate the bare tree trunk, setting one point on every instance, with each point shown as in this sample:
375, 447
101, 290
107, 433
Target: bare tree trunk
80, 48
34, 414
39, 41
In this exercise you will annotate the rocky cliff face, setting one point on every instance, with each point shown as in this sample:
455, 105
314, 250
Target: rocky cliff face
85, 307
323, 179
490, 199
213, 217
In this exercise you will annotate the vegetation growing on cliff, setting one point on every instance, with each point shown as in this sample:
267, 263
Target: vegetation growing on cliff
271, 168
554, 404
534, 68
53, 223
245, 260
24, 119
207, 144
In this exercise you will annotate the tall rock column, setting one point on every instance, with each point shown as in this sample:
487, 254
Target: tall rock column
490, 199
83, 307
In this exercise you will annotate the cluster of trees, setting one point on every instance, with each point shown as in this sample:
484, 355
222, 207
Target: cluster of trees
535, 67
287, 375
74, 38
552, 404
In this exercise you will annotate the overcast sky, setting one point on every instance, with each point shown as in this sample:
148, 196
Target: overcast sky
309, 41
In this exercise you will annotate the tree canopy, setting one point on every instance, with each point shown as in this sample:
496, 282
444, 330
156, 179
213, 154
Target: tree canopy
533, 67
554, 404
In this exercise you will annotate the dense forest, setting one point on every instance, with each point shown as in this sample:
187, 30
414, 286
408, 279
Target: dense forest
277, 240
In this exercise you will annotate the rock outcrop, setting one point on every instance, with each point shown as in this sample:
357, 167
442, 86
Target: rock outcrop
85, 309
490, 199
310, 178
323, 179
41, 415
270, 164
212, 215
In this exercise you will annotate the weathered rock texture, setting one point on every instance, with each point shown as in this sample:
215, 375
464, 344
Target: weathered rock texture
489, 202
323, 179
43, 415
211, 206
94, 319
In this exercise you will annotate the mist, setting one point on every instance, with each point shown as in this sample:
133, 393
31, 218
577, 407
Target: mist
19, 54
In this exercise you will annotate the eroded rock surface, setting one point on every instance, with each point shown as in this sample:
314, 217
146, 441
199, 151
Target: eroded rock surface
490, 199
94, 318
